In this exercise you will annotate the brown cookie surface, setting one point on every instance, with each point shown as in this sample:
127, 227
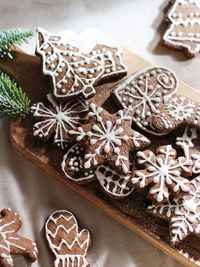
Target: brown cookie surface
108, 139
10, 242
68, 244
176, 112
184, 30
183, 213
57, 119
76, 63
145, 92
163, 173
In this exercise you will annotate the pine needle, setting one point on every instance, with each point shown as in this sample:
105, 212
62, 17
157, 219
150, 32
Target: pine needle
13, 101
11, 37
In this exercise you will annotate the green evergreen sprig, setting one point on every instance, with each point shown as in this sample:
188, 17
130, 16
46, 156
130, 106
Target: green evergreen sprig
11, 37
13, 101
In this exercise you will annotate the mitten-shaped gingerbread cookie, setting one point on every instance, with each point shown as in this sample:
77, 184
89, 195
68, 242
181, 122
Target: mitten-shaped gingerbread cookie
67, 243
10, 242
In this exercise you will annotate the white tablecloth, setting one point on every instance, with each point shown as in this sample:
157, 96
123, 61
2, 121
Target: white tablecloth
23, 187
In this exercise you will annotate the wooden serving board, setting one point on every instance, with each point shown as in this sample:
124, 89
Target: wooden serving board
130, 213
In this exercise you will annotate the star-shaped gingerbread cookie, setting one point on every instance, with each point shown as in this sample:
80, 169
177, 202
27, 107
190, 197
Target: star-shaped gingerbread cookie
108, 139
183, 213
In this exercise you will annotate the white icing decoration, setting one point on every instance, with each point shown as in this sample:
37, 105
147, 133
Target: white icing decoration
70, 228
10, 241
108, 137
74, 52
73, 160
163, 171
179, 110
188, 23
184, 214
145, 99
113, 183
58, 119
186, 143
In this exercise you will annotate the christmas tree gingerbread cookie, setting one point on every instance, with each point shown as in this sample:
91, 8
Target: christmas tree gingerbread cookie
78, 62
68, 244
184, 30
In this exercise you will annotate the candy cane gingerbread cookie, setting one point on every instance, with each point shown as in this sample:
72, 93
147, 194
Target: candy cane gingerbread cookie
10, 242
76, 63
184, 30
68, 244
145, 92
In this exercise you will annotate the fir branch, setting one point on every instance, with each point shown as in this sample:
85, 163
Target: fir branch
13, 101
11, 37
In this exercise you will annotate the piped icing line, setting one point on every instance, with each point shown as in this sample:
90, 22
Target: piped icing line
183, 214
10, 242
57, 119
108, 137
76, 56
58, 222
145, 91
162, 173
185, 37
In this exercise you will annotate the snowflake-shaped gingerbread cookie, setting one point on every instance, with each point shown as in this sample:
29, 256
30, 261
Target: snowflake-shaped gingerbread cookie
178, 111
57, 119
163, 173
183, 213
76, 63
108, 139
145, 92
189, 143
111, 182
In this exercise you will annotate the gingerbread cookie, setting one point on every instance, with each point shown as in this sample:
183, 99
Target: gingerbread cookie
108, 139
184, 30
57, 119
76, 63
183, 213
66, 242
163, 173
178, 111
145, 92
112, 183
73, 165
10, 242
189, 143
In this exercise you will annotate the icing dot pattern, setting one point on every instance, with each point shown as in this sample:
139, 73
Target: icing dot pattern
184, 29
74, 71
145, 92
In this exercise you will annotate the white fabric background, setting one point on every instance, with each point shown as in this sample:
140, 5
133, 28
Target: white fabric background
34, 195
